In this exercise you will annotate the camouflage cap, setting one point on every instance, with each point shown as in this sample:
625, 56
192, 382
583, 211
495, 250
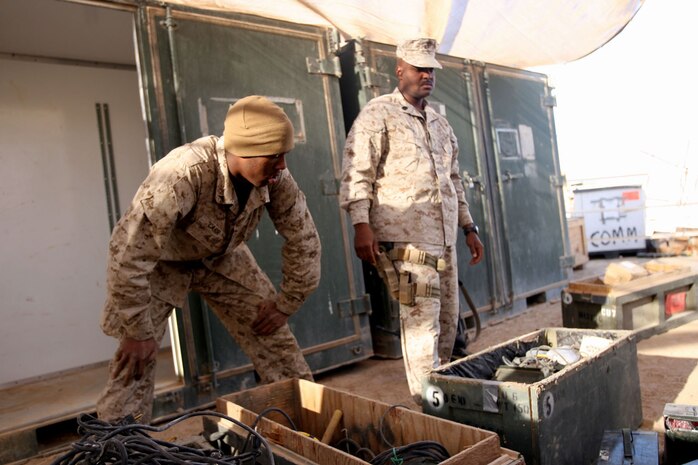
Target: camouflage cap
419, 52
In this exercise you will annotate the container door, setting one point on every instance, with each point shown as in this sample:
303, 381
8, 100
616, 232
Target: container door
369, 71
532, 239
198, 64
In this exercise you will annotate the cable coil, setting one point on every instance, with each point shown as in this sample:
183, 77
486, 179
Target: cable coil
127, 443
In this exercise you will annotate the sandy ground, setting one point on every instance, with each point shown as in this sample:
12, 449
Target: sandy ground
667, 362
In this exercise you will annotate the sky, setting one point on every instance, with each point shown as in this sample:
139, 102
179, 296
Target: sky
626, 113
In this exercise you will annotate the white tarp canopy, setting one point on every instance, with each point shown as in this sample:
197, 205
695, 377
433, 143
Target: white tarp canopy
517, 33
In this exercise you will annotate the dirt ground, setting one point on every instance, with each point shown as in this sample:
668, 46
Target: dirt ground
667, 363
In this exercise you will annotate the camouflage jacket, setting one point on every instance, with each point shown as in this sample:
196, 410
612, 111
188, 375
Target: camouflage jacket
400, 174
186, 212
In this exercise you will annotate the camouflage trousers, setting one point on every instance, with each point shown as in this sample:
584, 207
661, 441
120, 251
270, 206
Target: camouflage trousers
275, 357
428, 328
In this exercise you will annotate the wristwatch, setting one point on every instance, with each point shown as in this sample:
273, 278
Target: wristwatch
471, 228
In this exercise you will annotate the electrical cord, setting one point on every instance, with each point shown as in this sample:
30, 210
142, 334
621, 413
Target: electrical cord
420, 452
382, 420
127, 443
358, 451
416, 453
251, 439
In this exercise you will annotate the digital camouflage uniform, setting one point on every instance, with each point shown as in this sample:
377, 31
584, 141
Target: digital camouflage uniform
401, 176
184, 231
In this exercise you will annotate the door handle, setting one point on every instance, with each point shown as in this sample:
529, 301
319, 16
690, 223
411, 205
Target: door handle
470, 181
509, 176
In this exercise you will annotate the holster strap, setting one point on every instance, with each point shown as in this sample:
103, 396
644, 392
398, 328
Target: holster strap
387, 272
418, 257
410, 290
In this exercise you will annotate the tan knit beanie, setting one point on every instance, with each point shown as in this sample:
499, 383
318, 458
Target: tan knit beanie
255, 126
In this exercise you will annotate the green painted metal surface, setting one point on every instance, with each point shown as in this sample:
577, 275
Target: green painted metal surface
524, 167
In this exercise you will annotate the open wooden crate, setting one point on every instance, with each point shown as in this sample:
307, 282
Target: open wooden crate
365, 422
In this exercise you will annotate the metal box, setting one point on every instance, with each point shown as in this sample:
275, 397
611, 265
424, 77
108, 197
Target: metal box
614, 218
638, 305
680, 434
303, 438
627, 447
557, 420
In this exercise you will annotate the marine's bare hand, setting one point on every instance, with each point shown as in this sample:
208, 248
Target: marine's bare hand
269, 318
365, 243
133, 356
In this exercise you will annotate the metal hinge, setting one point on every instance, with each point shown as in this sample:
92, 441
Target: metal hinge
350, 307
557, 180
330, 65
330, 185
470, 61
169, 22
549, 101
567, 261
333, 41
371, 78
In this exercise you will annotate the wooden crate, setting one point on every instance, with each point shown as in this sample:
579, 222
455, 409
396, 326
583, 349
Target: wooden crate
578, 241
311, 406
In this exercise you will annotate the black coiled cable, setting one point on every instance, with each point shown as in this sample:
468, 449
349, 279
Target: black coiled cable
421, 452
127, 443
416, 453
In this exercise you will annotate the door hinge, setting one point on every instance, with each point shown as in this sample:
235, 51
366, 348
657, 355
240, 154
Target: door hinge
567, 261
333, 41
329, 184
549, 101
350, 307
329, 66
169, 22
557, 180
370, 78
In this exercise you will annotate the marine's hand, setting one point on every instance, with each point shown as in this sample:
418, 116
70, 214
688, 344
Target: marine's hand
133, 356
269, 318
477, 250
365, 243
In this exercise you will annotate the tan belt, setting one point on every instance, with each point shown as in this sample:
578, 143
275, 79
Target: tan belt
400, 287
418, 257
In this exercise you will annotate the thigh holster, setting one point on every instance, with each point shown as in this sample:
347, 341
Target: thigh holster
409, 290
402, 287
